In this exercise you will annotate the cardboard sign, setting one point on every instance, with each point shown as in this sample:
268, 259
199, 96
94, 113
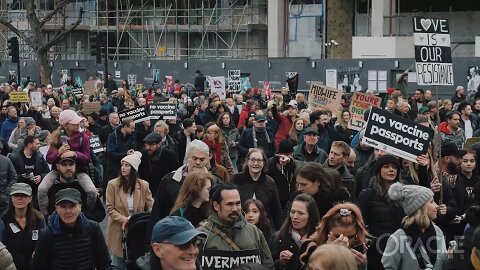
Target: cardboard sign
163, 110
433, 55
325, 97
89, 107
36, 98
89, 87
226, 259
137, 114
396, 135
217, 85
95, 144
18, 97
360, 103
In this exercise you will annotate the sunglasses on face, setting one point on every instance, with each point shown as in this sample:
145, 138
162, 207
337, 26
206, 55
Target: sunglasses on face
186, 245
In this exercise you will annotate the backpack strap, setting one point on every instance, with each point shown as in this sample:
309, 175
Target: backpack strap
221, 234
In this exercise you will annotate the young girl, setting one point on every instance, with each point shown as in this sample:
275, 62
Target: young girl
256, 215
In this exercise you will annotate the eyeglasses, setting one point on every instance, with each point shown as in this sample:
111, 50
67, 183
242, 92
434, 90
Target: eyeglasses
255, 160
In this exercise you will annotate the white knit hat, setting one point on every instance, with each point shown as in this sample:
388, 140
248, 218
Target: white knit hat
133, 159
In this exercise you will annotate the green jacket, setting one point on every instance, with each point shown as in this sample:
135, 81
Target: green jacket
242, 233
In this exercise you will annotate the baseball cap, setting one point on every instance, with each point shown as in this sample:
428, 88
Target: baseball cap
174, 230
153, 137
292, 103
424, 109
21, 188
311, 130
68, 194
259, 118
450, 149
69, 116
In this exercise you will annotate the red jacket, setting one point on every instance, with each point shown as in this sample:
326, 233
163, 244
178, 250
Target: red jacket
284, 126
244, 116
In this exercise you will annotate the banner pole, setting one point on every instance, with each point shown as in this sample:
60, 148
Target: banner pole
439, 143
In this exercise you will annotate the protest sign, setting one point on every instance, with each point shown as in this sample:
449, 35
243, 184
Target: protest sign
137, 114
169, 84
325, 97
163, 110
89, 87
95, 144
396, 135
359, 104
89, 107
217, 85
36, 98
76, 91
18, 97
213, 259
433, 55
234, 80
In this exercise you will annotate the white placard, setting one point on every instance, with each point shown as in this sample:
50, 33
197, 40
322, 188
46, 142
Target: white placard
36, 98
217, 85
331, 78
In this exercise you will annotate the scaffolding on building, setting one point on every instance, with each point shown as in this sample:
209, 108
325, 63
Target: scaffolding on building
151, 29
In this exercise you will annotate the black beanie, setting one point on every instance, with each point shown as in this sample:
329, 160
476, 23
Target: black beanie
384, 160
285, 147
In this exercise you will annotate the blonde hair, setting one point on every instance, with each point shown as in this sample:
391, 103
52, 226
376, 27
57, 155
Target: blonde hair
333, 256
431, 170
419, 217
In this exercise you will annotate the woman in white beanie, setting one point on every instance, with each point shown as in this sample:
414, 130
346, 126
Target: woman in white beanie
419, 243
125, 196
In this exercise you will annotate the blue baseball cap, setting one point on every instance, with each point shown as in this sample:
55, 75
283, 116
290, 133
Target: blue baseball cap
175, 230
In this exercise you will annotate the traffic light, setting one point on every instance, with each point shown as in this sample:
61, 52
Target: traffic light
95, 47
13, 50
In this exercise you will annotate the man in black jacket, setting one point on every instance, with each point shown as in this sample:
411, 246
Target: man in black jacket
71, 241
199, 81
156, 161
184, 137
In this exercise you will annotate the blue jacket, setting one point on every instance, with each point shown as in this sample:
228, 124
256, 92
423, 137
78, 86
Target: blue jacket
117, 148
108, 107
7, 127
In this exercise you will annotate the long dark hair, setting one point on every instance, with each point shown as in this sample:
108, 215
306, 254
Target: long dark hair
128, 185
264, 223
220, 120
313, 217
33, 217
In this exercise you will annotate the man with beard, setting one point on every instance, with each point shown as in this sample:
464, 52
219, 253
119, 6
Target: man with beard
30, 164
229, 235
451, 131
418, 101
52, 123
336, 160
197, 158
257, 137
120, 143
467, 121
156, 161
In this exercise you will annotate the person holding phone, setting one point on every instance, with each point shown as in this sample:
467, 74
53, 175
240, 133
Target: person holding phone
297, 227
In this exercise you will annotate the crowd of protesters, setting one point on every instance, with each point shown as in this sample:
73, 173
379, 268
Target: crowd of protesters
270, 181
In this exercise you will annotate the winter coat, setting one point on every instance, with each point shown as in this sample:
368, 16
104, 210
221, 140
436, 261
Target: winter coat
153, 168
231, 135
362, 157
284, 177
348, 180
117, 208
278, 245
7, 128
8, 176
343, 134
234, 114
78, 142
244, 116
80, 247
473, 122
284, 125
299, 154
364, 175
457, 137
246, 142
117, 148
265, 190
247, 237
181, 138
399, 255
170, 144
41, 167
6, 259
108, 107
382, 218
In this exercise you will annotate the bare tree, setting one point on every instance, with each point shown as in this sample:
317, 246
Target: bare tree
39, 41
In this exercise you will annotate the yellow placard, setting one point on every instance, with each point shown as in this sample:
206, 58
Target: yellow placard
18, 97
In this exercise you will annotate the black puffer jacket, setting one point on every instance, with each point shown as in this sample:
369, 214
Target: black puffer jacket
279, 244
382, 218
284, 178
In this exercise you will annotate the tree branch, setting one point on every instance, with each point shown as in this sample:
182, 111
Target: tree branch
8, 24
58, 37
50, 15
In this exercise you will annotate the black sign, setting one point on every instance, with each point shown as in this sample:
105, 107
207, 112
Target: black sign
396, 135
95, 144
137, 114
225, 259
163, 110
77, 91
433, 55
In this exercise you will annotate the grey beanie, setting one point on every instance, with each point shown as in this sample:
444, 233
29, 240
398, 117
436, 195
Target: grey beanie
410, 197
134, 160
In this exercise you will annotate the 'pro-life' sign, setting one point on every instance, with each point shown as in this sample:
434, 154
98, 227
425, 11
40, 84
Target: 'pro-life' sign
433, 55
